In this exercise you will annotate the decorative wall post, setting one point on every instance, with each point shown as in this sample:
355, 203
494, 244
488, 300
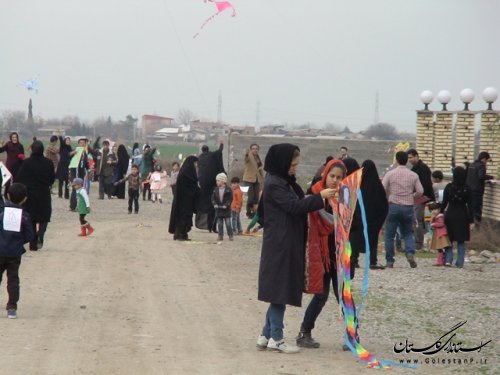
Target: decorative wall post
465, 135
490, 140
443, 146
425, 130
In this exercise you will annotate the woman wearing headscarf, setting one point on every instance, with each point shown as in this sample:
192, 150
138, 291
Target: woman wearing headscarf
376, 209
185, 200
458, 215
321, 254
282, 263
121, 170
62, 172
15, 157
37, 174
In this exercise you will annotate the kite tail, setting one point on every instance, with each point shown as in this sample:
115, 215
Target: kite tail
350, 317
367, 251
205, 23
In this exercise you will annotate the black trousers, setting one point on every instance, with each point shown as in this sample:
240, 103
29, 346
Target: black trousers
63, 183
39, 234
82, 219
11, 265
133, 200
476, 205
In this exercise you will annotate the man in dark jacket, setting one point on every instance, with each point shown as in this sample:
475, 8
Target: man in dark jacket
424, 175
15, 231
476, 178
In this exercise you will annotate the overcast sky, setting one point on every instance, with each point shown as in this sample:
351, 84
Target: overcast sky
304, 61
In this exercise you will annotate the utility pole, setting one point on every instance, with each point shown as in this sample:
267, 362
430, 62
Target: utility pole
376, 116
219, 109
257, 114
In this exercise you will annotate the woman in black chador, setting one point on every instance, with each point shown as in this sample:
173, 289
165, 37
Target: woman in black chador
37, 173
121, 170
15, 157
185, 200
62, 172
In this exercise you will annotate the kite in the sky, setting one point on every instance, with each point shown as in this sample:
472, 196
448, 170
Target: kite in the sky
31, 84
221, 7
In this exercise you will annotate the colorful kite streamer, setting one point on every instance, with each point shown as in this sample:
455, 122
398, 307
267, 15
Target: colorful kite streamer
221, 7
349, 196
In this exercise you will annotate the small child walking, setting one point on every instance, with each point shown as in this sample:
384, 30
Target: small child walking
440, 240
134, 187
173, 176
236, 206
14, 233
222, 198
158, 181
83, 207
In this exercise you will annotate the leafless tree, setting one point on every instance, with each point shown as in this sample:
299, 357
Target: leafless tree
185, 116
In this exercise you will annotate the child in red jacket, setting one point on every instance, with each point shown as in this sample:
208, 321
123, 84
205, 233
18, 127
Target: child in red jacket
236, 206
440, 239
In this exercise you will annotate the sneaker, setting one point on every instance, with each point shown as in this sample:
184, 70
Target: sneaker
305, 340
11, 314
262, 342
220, 238
389, 265
447, 264
281, 346
411, 260
377, 267
231, 238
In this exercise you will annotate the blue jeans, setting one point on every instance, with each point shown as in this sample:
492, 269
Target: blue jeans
401, 216
220, 226
460, 254
236, 222
274, 322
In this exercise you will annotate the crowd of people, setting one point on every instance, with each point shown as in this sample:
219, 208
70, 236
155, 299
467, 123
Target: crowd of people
299, 249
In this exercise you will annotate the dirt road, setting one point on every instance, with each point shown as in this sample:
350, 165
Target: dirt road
130, 300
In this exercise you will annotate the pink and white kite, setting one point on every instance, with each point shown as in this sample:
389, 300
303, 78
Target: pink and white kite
221, 7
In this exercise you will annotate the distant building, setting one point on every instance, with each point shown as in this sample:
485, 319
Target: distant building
152, 123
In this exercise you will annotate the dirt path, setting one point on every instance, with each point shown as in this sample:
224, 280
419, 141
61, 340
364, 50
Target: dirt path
130, 300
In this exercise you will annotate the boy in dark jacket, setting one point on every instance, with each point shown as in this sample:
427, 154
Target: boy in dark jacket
222, 198
15, 231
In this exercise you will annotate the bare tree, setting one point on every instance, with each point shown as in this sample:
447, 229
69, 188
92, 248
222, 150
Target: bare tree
381, 130
185, 116
14, 120
331, 127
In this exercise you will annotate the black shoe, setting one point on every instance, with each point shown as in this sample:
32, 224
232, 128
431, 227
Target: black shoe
377, 267
39, 244
411, 260
305, 340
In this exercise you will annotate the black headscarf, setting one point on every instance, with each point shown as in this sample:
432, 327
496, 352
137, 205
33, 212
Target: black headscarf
374, 195
351, 165
278, 161
37, 149
459, 177
123, 158
188, 170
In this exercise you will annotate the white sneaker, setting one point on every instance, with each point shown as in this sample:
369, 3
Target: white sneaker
262, 342
281, 346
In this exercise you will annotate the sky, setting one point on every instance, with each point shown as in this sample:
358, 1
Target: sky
297, 61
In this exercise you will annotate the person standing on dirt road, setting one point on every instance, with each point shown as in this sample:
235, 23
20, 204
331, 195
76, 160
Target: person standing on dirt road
282, 263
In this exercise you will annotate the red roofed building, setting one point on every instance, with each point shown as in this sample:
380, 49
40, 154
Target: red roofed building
151, 123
